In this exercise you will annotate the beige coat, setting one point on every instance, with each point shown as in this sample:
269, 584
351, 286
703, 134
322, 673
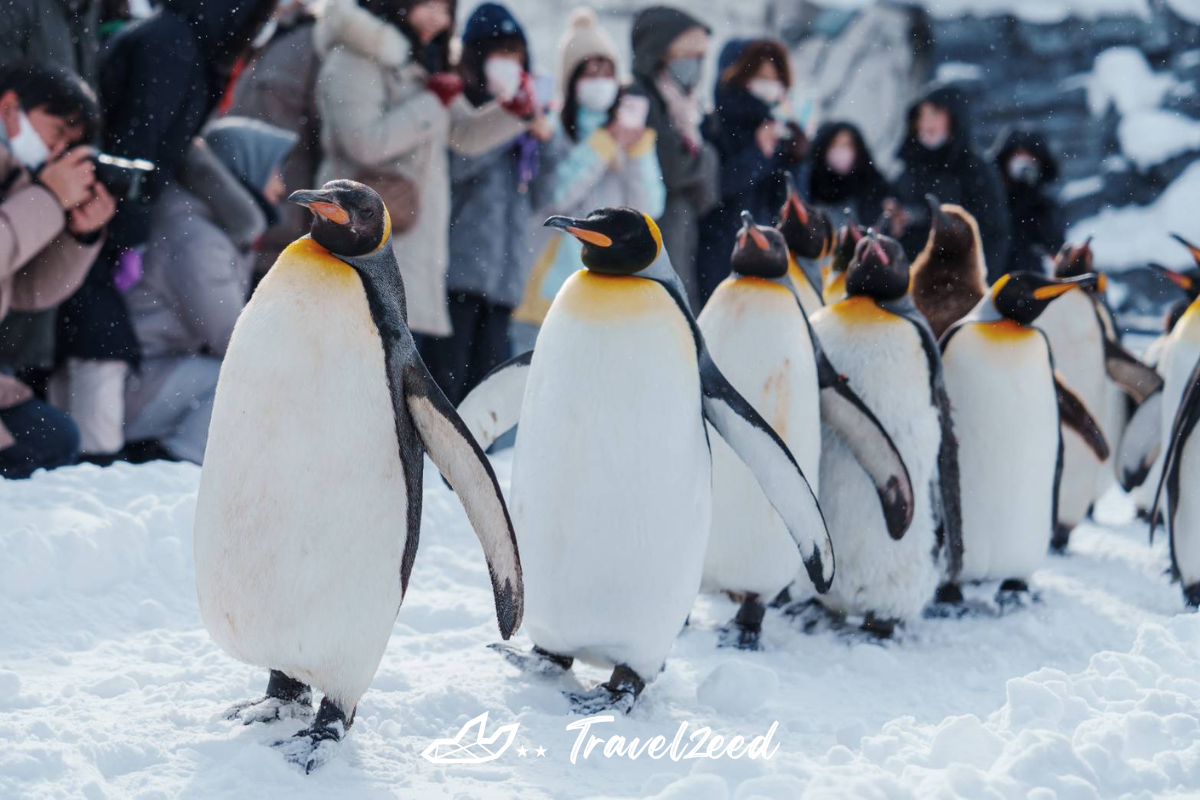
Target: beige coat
376, 114
41, 265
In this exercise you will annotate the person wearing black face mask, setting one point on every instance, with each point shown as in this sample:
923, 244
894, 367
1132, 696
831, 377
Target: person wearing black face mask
1027, 169
669, 47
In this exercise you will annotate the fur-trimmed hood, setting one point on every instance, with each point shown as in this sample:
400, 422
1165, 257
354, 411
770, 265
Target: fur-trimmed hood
344, 23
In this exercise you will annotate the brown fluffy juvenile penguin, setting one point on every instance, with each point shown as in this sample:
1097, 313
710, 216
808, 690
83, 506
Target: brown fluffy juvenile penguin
949, 275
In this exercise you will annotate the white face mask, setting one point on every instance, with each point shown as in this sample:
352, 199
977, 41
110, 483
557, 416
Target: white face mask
27, 145
931, 141
1024, 169
503, 77
841, 159
597, 94
769, 91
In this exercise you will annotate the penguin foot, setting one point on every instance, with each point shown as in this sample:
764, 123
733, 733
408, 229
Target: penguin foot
535, 662
1060, 539
744, 631
315, 745
948, 603
1191, 596
878, 627
783, 598
620, 693
812, 616
1014, 593
286, 698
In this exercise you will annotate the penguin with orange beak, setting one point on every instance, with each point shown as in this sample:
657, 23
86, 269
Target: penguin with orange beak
760, 337
810, 241
1008, 409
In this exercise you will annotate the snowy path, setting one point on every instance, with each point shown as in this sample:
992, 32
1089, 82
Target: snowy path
110, 687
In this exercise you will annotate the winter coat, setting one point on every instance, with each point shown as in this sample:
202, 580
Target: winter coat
63, 32
376, 114
41, 264
1036, 223
862, 191
279, 87
161, 79
691, 178
749, 180
956, 174
595, 173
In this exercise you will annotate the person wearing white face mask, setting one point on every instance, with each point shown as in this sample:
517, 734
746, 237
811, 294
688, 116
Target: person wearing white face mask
52, 218
612, 160
843, 179
492, 196
756, 148
1028, 170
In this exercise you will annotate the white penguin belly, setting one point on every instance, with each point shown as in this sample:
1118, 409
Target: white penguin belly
1005, 413
756, 334
301, 515
1077, 343
884, 359
611, 494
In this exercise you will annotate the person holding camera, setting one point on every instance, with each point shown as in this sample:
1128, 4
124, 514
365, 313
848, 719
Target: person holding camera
52, 217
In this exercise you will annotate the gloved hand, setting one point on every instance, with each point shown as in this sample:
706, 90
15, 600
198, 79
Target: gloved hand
446, 85
794, 148
523, 102
127, 272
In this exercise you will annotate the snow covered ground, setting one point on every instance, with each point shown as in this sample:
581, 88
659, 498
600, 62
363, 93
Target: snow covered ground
110, 687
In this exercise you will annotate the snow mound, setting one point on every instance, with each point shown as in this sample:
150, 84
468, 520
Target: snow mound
1122, 77
1132, 236
1152, 136
738, 686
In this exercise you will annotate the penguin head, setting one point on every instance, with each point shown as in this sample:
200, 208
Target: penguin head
349, 218
879, 269
1022, 296
759, 251
808, 232
1188, 280
953, 232
1074, 260
616, 241
845, 244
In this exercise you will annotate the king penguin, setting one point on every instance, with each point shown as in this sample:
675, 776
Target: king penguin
949, 277
1083, 339
845, 243
1007, 407
612, 474
885, 347
761, 340
309, 508
809, 236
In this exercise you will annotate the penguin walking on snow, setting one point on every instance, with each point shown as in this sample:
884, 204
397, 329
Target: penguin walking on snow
760, 338
884, 346
1091, 361
1007, 405
309, 508
949, 276
845, 244
809, 235
612, 476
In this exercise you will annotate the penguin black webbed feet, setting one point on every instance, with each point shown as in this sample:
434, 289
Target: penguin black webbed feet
1191, 596
286, 698
745, 630
1060, 540
535, 662
879, 627
619, 693
1013, 594
315, 745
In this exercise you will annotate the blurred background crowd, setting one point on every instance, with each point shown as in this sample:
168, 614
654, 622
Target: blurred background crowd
147, 150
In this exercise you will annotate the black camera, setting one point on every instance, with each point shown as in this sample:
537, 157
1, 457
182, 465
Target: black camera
125, 178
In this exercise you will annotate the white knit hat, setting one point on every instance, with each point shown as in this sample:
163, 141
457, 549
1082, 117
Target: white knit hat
583, 39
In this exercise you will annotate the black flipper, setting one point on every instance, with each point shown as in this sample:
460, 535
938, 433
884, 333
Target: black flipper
947, 493
1141, 443
1182, 428
1074, 414
758, 446
1131, 375
493, 407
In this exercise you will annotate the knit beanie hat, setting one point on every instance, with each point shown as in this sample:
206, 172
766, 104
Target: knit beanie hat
583, 39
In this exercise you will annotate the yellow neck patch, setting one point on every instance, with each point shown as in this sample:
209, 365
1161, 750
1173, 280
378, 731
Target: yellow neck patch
609, 298
656, 233
861, 311
387, 230
1004, 330
307, 254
